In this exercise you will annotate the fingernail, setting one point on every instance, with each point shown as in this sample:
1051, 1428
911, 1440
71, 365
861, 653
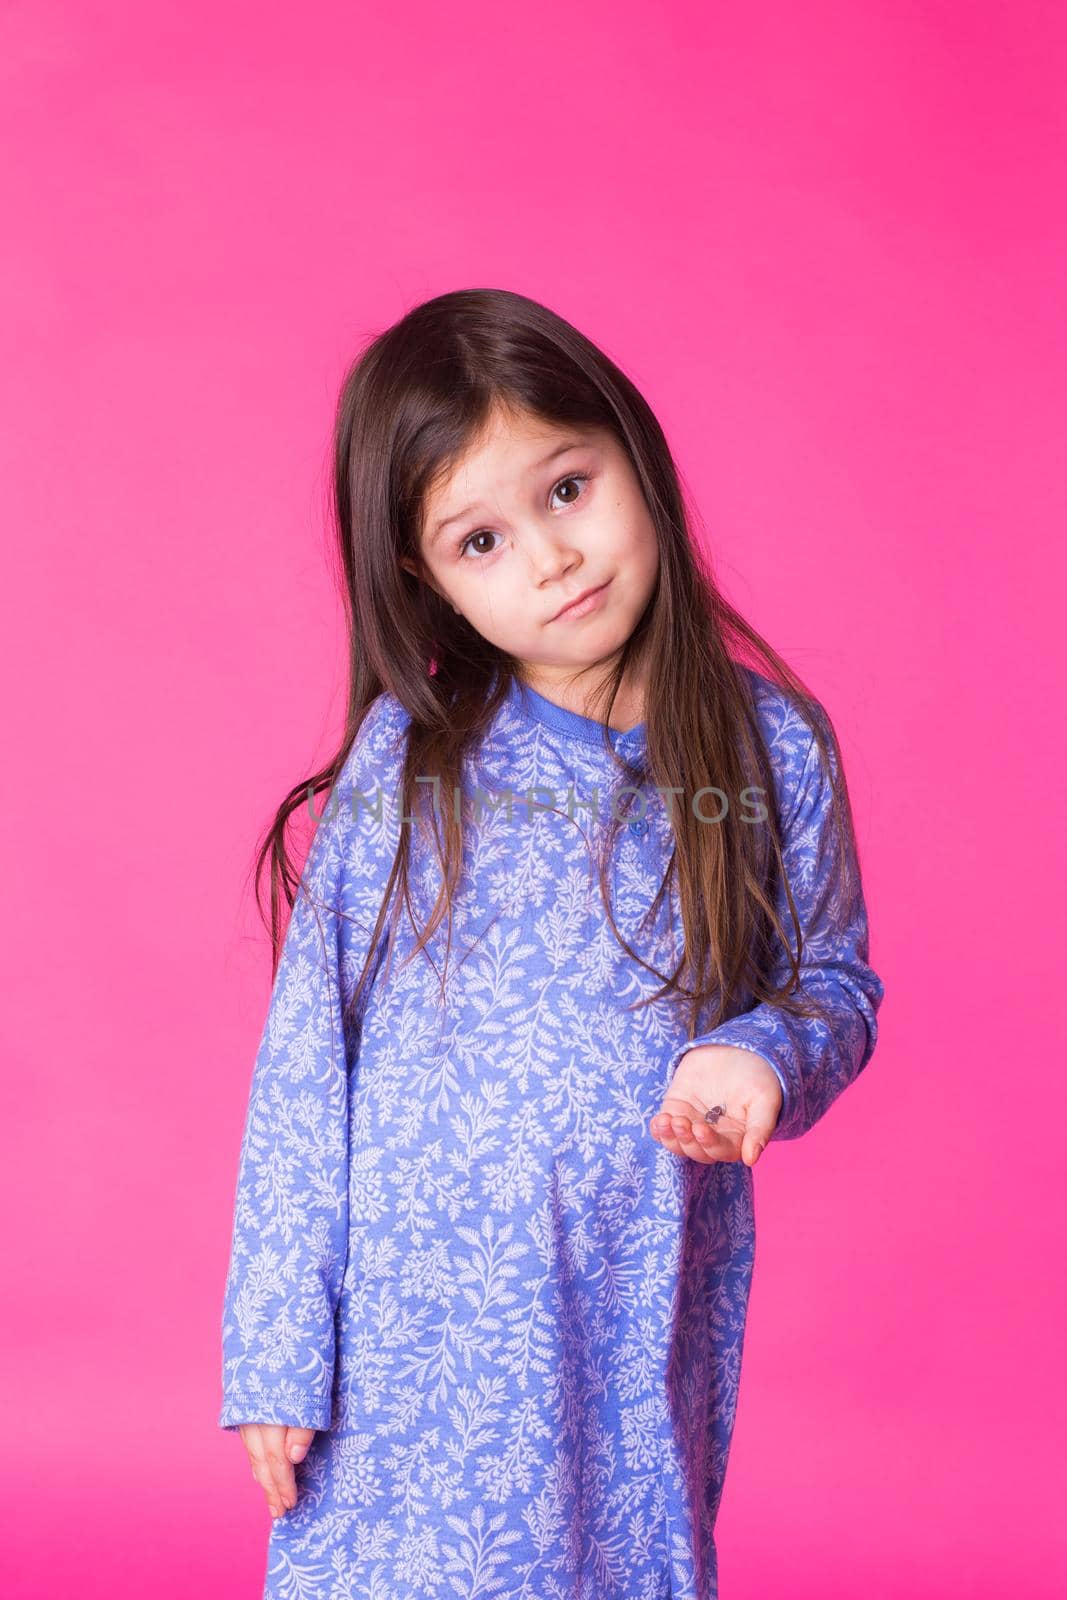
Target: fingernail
297, 1452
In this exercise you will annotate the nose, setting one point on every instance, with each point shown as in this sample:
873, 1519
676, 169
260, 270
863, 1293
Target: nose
549, 555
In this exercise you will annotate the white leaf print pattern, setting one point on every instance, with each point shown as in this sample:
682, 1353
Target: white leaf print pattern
515, 1320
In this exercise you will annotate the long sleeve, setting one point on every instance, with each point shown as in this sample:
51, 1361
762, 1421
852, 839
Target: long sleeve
290, 1228
814, 1060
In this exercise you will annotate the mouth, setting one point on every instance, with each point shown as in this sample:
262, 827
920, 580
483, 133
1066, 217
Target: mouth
582, 603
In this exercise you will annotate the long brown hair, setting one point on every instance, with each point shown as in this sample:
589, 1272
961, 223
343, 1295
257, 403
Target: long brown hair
410, 406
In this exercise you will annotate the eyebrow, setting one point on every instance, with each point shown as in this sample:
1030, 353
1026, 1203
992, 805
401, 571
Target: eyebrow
457, 516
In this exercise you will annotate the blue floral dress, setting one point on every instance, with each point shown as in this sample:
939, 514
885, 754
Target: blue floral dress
514, 1317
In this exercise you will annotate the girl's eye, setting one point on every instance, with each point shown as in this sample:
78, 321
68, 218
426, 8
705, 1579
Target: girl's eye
483, 533
574, 477
486, 533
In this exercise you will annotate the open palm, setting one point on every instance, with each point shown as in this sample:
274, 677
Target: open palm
741, 1084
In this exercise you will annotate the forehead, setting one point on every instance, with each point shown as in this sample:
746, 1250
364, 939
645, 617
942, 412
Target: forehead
507, 449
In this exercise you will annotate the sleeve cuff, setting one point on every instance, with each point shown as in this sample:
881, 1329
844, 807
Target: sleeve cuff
290, 1405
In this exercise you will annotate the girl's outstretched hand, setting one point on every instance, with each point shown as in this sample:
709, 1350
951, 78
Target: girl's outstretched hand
719, 1074
272, 1449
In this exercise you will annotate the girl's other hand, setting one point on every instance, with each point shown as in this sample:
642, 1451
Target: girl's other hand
272, 1449
719, 1074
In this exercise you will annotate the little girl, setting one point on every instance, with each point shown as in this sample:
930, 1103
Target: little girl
580, 931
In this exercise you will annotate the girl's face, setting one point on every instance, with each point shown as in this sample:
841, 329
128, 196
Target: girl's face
537, 515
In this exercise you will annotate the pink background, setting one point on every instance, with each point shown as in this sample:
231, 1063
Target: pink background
827, 240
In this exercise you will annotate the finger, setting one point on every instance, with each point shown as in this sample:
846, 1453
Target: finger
695, 1136
708, 1142
252, 1434
663, 1123
718, 1144
725, 1122
281, 1470
683, 1132
691, 1136
298, 1442
662, 1129
264, 1446
679, 1137
760, 1120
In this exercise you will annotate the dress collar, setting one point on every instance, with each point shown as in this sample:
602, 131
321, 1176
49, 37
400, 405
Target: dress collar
529, 703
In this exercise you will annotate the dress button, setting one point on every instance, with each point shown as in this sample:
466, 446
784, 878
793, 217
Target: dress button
639, 826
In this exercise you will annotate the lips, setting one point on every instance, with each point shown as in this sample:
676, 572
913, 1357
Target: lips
594, 589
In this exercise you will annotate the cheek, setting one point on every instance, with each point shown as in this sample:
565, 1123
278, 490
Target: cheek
491, 596
635, 540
